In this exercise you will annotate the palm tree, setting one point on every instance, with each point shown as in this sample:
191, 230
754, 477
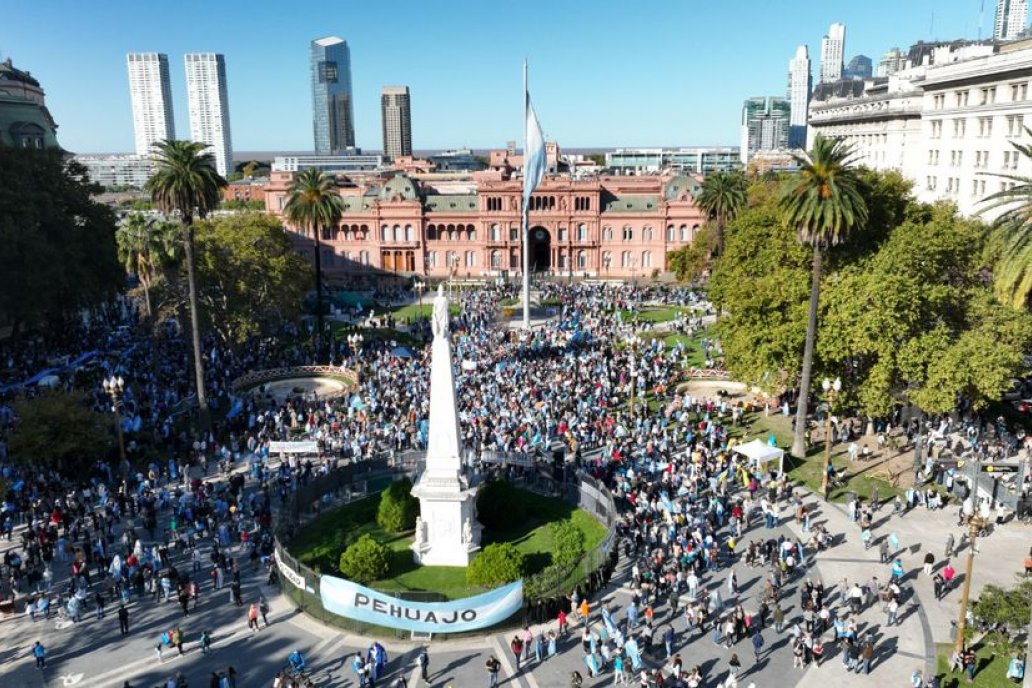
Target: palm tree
1012, 233
823, 202
722, 197
186, 183
314, 203
135, 240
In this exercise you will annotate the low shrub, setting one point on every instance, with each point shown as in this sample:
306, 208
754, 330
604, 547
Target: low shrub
398, 508
366, 560
497, 564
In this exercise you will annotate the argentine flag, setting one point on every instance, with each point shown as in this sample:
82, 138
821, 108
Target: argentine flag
534, 162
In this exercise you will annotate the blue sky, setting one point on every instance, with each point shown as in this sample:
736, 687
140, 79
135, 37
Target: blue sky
602, 73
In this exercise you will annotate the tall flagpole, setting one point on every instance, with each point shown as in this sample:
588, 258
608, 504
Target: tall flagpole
526, 212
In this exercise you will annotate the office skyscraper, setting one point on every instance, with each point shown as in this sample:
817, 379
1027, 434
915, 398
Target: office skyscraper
860, 67
333, 121
1011, 16
800, 85
396, 114
765, 125
833, 48
151, 97
209, 106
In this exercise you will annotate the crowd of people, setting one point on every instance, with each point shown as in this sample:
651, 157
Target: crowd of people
183, 525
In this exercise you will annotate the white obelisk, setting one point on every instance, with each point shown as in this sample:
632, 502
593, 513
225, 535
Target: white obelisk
447, 532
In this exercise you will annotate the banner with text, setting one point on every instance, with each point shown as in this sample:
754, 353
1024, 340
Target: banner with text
294, 447
354, 601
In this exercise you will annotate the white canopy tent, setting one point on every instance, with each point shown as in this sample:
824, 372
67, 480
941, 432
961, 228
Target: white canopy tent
760, 455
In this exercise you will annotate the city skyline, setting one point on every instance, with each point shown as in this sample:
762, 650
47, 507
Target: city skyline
470, 84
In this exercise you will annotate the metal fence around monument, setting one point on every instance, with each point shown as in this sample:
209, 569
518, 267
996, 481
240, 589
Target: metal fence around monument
354, 481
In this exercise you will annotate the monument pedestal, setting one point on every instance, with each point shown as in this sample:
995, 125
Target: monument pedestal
447, 533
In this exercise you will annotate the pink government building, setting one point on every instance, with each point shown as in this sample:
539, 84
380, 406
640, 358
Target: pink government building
468, 225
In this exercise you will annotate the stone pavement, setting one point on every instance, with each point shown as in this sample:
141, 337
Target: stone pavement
910, 645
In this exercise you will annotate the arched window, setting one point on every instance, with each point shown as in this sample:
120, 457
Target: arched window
364, 256
628, 233
646, 234
383, 233
607, 259
646, 259
496, 258
431, 232
398, 236
695, 231
670, 233
431, 259
582, 260
582, 232
408, 233
471, 233
684, 233
625, 259
607, 234
496, 233
471, 259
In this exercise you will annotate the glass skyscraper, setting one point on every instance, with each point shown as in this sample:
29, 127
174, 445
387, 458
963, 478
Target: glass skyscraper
333, 121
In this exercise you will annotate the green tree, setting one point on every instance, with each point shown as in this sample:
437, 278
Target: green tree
691, 262
500, 506
249, 278
761, 281
58, 245
822, 201
722, 196
568, 542
59, 430
497, 564
1006, 611
398, 508
145, 245
314, 204
185, 183
366, 560
1011, 248
913, 322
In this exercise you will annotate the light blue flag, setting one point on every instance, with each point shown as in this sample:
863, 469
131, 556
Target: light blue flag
534, 161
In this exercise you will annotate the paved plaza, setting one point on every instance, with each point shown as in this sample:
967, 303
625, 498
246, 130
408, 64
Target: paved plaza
91, 652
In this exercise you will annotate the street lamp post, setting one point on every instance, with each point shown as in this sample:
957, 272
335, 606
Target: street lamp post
975, 524
634, 374
831, 390
114, 387
419, 287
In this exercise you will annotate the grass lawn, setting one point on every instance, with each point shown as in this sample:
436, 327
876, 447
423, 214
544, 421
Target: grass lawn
808, 471
655, 315
991, 671
414, 310
322, 541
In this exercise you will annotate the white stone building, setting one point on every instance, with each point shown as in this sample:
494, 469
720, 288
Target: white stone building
944, 125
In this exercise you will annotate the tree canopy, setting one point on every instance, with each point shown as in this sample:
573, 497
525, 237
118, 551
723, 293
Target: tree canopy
905, 314
249, 278
59, 430
58, 244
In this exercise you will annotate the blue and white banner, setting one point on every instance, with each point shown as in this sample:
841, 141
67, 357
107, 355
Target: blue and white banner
353, 601
534, 158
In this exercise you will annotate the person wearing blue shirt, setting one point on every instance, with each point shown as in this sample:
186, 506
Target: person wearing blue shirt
297, 660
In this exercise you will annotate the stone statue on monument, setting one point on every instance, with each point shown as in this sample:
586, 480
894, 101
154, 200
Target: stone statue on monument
439, 320
467, 530
420, 531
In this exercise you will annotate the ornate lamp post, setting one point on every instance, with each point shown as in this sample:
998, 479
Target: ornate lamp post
831, 390
420, 287
975, 523
114, 387
634, 374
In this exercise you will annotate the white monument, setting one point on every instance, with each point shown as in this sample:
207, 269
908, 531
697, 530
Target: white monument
447, 533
